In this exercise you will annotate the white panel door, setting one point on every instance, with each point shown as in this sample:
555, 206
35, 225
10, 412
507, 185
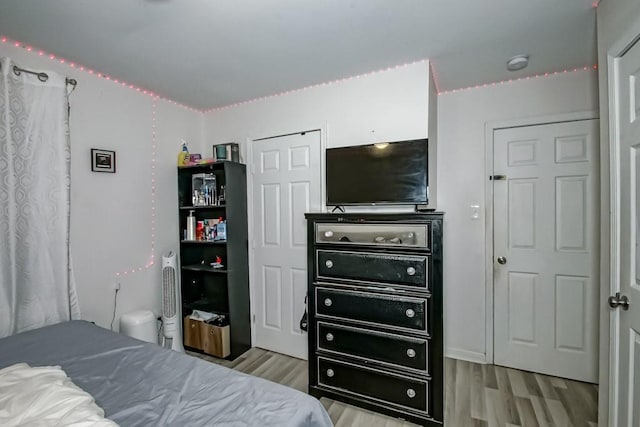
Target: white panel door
546, 249
627, 175
286, 184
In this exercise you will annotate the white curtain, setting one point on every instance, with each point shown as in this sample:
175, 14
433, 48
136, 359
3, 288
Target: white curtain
35, 270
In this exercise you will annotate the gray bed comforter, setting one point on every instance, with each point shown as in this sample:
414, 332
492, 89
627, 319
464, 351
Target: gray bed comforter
141, 384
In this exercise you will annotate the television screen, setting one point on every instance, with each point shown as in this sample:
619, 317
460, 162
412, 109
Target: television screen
385, 173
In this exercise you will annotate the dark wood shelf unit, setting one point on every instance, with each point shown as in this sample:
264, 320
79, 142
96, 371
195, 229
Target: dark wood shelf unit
207, 207
226, 290
201, 304
203, 242
205, 268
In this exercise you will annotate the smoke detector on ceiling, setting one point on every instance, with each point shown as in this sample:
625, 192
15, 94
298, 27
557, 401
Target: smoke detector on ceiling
518, 62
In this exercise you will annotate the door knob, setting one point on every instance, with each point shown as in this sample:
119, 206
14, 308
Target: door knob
619, 301
502, 260
328, 263
411, 271
329, 336
328, 302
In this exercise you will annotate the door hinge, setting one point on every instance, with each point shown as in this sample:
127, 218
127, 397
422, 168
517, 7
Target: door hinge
497, 177
253, 319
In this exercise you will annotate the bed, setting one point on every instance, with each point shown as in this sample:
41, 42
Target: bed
141, 384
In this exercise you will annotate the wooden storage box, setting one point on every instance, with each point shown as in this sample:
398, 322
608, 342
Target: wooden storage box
193, 333
215, 340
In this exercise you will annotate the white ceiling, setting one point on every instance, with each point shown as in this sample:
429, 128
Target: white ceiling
211, 53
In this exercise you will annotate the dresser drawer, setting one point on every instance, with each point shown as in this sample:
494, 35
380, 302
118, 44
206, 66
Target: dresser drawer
374, 384
404, 270
380, 347
367, 307
383, 235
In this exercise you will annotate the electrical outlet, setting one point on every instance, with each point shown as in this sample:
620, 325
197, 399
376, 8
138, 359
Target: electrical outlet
116, 286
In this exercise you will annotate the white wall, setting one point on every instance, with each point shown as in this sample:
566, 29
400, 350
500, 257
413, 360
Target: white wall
110, 213
394, 104
615, 21
462, 176
384, 106
388, 105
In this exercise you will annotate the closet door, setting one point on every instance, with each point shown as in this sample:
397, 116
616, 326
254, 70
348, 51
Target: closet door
286, 185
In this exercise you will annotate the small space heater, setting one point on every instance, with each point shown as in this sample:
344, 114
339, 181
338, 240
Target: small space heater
172, 324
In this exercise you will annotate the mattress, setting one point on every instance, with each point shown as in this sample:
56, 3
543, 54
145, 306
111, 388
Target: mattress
142, 384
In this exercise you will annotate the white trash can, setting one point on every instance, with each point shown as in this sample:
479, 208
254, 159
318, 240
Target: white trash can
141, 324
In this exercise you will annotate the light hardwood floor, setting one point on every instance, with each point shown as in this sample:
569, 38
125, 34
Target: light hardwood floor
476, 395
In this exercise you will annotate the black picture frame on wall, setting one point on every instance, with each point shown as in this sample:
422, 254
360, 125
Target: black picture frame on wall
103, 160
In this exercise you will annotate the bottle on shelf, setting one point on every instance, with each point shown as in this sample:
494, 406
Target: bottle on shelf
200, 230
222, 195
221, 230
191, 226
183, 156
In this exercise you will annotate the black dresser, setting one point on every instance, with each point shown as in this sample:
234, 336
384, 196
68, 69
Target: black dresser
375, 312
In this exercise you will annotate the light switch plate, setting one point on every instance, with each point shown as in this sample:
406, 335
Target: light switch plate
475, 211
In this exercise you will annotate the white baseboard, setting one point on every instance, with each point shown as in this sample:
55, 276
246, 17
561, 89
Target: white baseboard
469, 356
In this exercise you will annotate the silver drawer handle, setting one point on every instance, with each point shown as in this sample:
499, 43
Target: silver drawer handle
328, 263
329, 336
411, 352
328, 302
411, 393
410, 313
328, 233
330, 373
411, 271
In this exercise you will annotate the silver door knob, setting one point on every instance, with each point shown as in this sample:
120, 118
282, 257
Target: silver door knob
328, 302
411, 271
619, 301
328, 233
502, 260
329, 336
330, 373
328, 263
410, 312
411, 393
411, 353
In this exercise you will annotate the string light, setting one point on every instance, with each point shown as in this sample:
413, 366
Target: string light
154, 146
80, 67
536, 76
313, 86
155, 99
436, 77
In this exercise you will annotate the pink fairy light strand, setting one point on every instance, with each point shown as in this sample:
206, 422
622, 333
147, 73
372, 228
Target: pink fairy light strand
154, 145
80, 67
313, 86
507, 81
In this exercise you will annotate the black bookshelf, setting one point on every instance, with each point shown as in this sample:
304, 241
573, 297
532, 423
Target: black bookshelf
220, 290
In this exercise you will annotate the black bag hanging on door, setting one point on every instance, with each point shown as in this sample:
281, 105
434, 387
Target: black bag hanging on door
303, 321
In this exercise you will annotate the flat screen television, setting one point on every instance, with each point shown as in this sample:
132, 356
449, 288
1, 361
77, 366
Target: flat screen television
394, 173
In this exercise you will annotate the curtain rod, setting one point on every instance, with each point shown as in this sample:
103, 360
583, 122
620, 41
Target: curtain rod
43, 77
